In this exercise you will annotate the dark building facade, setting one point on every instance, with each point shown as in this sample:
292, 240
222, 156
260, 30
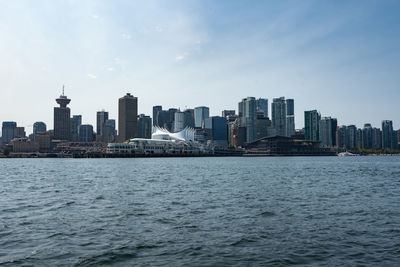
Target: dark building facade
39, 127
144, 126
75, 122
127, 117
101, 118
62, 124
311, 125
8, 131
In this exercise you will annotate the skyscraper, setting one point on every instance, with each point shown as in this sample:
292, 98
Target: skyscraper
85, 133
311, 125
367, 136
127, 117
75, 122
217, 130
325, 131
262, 106
144, 126
8, 131
39, 127
387, 134
200, 114
279, 115
248, 111
179, 121
62, 124
156, 110
102, 117
189, 118
290, 126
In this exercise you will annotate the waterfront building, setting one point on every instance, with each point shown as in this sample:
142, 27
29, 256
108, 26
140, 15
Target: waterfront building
20, 132
85, 133
24, 145
179, 121
262, 106
75, 122
217, 130
262, 124
352, 136
290, 120
169, 125
376, 138
341, 137
162, 118
127, 117
156, 110
366, 136
359, 138
187, 134
387, 134
248, 117
189, 117
109, 132
44, 140
144, 126
101, 118
62, 124
226, 113
326, 124
200, 114
238, 134
39, 127
279, 115
8, 130
311, 121
333, 133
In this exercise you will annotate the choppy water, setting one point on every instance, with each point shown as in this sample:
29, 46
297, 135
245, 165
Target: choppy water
200, 211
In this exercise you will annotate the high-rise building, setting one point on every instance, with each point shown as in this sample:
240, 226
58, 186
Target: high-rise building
352, 136
179, 121
156, 110
325, 131
169, 125
226, 113
248, 118
217, 130
367, 136
262, 125
20, 132
102, 117
39, 127
189, 118
144, 126
290, 123
311, 125
8, 131
341, 137
262, 106
75, 122
109, 133
279, 115
127, 117
200, 114
62, 124
387, 134
376, 138
85, 133
162, 119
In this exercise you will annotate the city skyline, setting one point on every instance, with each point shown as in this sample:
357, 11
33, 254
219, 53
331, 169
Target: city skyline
338, 58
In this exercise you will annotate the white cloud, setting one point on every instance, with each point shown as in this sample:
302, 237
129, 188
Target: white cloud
181, 57
126, 36
92, 76
110, 69
94, 16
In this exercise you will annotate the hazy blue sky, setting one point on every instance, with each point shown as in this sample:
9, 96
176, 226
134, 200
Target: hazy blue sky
339, 57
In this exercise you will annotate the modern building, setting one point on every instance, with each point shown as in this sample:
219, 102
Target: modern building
262, 106
179, 121
387, 134
226, 113
39, 127
367, 136
326, 124
24, 145
279, 115
127, 117
144, 126
189, 117
311, 125
376, 138
341, 137
262, 125
75, 122
85, 133
238, 134
8, 130
102, 117
20, 132
156, 110
290, 121
352, 136
109, 132
200, 114
170, 123
62, 123
217, 130
248, 117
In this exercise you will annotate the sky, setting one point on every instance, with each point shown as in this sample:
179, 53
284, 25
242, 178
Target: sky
341, 58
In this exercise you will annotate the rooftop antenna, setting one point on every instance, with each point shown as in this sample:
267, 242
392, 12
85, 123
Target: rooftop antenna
63, 90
